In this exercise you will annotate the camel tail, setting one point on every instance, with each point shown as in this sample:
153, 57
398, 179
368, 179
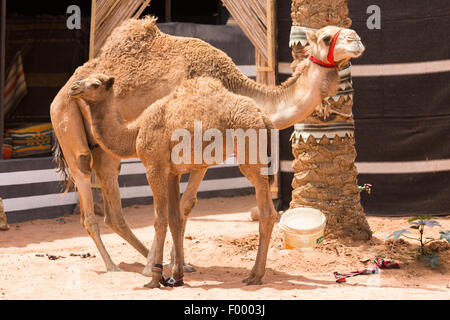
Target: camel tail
61, 166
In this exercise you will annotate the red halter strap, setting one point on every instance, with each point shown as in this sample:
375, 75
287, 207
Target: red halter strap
330, 57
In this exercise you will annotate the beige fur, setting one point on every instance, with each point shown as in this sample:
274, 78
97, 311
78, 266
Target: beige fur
147, 65
149, 137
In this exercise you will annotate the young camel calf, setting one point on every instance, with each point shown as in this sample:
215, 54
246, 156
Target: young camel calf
151, 138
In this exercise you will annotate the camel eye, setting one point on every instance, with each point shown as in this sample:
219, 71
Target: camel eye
326, 39
95, 85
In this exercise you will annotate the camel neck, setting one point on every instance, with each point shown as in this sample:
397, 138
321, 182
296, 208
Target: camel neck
296, 98
311, 88
111, 131
268, 98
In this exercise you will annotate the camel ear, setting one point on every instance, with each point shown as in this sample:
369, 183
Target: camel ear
109, 83
311, 36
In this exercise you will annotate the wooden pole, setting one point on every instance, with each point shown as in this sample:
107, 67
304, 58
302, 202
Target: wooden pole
143, 7
271, 40
106, 15
271, 75
93, 27
266, 70
2, 72
168, 10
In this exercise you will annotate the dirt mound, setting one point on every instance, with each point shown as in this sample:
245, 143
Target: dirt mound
250, 242
439, 246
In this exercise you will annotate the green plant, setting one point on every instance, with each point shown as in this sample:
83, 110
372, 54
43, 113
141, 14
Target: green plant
419, 224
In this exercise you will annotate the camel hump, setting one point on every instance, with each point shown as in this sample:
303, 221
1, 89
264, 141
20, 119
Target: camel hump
201, 86
131, 26
148, 22
136, 31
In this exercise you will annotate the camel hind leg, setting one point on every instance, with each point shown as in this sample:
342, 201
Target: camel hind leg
73, 142
176, 225
88, 218
188, 201
266, 220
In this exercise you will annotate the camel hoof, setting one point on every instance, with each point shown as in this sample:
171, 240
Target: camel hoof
152, 285
252, 280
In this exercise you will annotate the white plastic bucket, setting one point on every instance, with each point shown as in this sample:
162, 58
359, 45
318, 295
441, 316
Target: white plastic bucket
303, 227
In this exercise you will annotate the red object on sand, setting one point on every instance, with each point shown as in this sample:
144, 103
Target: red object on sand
379, 264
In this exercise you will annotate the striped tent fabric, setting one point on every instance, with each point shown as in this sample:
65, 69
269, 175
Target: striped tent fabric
31, 188
402, 108
15, 85
32, 140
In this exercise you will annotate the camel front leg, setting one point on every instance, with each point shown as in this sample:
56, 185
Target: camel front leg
266, 220
159, 184
107, 169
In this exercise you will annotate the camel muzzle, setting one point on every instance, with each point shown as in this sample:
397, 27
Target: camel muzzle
359, 49
75, 89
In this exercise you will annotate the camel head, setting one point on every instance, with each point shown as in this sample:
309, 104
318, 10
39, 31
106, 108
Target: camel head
333, 46
96, 87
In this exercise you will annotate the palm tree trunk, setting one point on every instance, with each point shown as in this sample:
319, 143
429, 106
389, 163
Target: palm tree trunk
325, 173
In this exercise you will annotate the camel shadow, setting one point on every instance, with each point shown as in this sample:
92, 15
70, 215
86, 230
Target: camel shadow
231, 278
234, 276
132, 267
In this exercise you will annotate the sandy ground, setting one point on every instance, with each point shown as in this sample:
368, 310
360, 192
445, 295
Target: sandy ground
221, 243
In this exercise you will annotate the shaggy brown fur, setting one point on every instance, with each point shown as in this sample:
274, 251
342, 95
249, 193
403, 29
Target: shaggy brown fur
150, 137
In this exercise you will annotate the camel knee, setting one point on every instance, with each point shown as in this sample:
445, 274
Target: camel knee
176, 224
84, 163
268, 215
117, 224
161, 224
89, 222
187, 205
